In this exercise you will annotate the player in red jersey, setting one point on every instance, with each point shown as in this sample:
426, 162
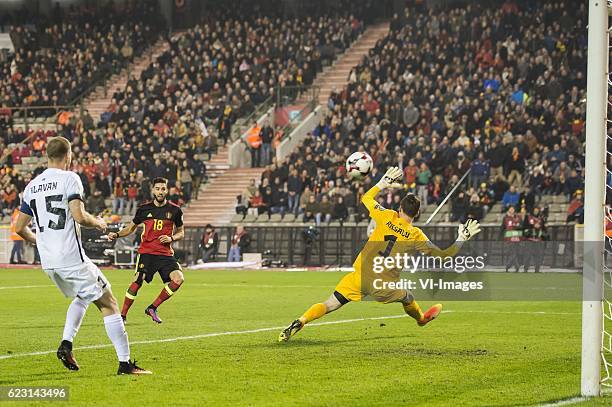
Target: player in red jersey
162, 222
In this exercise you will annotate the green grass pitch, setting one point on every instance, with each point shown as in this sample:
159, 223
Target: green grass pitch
477, 353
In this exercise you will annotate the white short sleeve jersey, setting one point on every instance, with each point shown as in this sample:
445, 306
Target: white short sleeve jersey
58, 236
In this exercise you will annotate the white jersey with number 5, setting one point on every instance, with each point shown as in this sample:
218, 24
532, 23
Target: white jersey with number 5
58, 236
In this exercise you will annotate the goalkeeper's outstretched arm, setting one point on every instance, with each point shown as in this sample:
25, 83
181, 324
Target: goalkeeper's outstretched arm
466, 231
391, 179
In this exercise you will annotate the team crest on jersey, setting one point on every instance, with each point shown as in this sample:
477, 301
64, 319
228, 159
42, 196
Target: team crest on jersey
169, 215
379, 207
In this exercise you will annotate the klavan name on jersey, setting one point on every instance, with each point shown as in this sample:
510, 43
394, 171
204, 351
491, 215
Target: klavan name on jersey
43, 187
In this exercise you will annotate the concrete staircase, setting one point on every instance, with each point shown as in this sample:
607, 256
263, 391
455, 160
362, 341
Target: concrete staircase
217, 199
100, 98
337, 76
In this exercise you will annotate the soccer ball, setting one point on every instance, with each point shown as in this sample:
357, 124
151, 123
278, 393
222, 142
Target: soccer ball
358, 165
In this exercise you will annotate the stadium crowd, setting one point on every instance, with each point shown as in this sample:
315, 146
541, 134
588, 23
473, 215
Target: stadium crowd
496, 89
57, 59
167, 121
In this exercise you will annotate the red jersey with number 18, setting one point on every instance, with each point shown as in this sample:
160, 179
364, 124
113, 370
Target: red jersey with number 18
157, 221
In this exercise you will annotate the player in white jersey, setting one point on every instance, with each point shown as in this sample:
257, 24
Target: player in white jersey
54, 199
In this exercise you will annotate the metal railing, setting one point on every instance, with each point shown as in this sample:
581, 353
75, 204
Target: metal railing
297, 95
339, 245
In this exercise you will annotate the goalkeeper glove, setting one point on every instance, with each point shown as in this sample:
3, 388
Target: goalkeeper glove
468, 230
391, 179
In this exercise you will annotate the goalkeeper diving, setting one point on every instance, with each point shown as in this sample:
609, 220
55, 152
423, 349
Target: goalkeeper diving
392, 228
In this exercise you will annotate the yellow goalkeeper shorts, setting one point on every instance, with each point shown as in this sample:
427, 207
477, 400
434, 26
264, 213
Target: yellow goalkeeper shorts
353, 288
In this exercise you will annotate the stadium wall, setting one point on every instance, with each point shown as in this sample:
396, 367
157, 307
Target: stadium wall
294, 138
239, 155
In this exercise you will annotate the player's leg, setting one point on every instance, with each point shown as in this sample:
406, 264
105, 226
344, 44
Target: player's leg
316, 311
412, 308
115, 329
130, 294
173, 278
70, 281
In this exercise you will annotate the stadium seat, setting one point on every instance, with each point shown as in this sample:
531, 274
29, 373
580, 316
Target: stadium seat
237, 218
560, 199
248, 218
276, 217
289, 217
263, 217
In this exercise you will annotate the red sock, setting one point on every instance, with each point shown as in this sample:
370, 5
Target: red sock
166, 293
130, 296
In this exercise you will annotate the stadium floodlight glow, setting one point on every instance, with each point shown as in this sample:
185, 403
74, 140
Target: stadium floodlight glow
595, 192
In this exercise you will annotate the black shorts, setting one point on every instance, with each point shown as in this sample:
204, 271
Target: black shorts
149, 264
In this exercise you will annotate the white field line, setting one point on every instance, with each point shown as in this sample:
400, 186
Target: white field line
564, 402
18, 287
273, 328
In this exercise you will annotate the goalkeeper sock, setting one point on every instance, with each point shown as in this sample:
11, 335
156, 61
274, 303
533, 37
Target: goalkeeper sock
167, 292
74, 317
115, 329
314, 312
414, 310
130, 296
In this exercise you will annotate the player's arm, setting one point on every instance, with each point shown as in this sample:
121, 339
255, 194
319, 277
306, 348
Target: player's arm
179, 234
74, 192
84, 218
466, 231
389, 180
22, 228
126, 231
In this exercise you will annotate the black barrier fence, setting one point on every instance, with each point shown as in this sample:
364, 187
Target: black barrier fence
339, 245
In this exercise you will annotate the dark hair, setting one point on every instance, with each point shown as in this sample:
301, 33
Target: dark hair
159, 180
410, 205
58, 148
208, 226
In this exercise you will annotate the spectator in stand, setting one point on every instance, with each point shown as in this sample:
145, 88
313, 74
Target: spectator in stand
294, 188
266, 133
459, 210
312, 209
132, 196
95, 203
256, 204
175, 196
575, 210
186, 180
475, 209
325, 211
410, 172
119, 193
198, 173
241, 205
254, 142
481, 169
511, 198
340, 211
423, 179
209, 244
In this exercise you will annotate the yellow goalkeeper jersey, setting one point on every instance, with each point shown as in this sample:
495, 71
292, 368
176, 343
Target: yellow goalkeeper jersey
392, 229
